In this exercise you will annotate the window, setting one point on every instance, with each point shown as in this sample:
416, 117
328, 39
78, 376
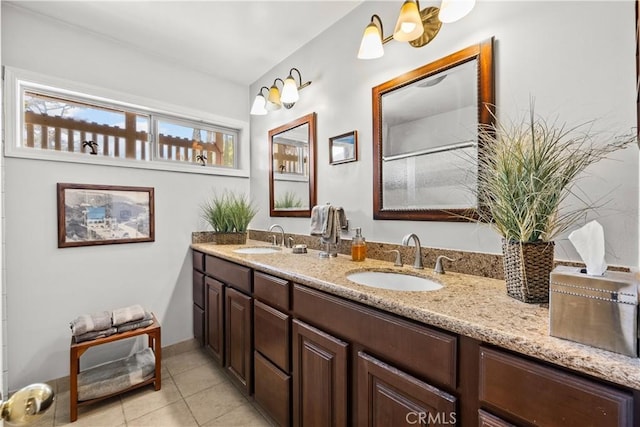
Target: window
56, 123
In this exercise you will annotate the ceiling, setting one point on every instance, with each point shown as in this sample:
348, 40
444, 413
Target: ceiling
234, 40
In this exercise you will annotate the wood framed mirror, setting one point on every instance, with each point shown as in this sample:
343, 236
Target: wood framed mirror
292, 168
425, 137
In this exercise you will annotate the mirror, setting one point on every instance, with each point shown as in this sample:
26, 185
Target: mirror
292, 170
425, 137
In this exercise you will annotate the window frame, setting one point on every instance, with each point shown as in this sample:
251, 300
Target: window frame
16, 81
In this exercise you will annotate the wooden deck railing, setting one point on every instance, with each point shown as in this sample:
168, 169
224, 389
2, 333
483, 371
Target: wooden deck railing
65, 134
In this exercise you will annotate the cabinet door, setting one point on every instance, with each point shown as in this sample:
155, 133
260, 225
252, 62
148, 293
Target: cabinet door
198, 324
319, 378
215, 318
272, 390
389, 397
238, 332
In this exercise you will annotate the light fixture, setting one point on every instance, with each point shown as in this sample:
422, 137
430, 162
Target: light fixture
409, 24
371, 45
290, 89
418, 27
273, 101
259, 104
275, 98
453, 10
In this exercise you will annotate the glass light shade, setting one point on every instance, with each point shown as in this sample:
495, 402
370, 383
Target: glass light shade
409, 25
258, 107
453, 10
371, 44
273, 101
289, 92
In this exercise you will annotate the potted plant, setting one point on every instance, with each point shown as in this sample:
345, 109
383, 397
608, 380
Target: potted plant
526, 171
229, 215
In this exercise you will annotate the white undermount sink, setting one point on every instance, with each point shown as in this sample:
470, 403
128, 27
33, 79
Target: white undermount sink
393, 281
257, 250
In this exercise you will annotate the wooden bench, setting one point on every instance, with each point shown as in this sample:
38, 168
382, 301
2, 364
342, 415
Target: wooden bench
78, 349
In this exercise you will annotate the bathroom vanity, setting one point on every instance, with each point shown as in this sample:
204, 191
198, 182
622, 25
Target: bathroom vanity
314, 348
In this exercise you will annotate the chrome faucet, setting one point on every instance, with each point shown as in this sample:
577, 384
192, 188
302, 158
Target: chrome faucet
439, 269
417, 263
275, 241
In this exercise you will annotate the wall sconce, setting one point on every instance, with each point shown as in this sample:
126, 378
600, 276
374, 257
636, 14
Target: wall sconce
418, 27
275, 99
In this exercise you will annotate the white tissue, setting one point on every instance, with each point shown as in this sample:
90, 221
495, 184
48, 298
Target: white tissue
589, 242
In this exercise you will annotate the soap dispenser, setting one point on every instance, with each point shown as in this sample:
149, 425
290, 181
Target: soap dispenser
358, 246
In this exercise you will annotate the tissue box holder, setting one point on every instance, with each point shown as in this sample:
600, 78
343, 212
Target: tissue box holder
598, 311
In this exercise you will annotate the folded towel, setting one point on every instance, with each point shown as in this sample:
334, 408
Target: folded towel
143, 323
319, 220
90, 322
114, 376
337, 220
93, 335
127, 314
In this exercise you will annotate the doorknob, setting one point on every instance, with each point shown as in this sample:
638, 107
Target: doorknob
27, 404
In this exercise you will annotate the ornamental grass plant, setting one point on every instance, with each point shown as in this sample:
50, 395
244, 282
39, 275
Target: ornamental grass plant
229, 212
529, 168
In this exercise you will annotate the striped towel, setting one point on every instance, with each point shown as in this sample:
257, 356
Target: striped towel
143, 323
127, 314
94, 335
90, 322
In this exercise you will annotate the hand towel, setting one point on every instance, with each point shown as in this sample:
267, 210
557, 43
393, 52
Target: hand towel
127, 314
90, 322
319, 218
143, 323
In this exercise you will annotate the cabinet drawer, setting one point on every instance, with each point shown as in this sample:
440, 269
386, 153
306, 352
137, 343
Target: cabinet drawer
419, 350
198, 289
272, 290
198, 260
272, 390
271, 334
539, 394
232, 274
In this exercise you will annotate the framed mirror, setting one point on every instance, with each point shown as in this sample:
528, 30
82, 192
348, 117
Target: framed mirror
425, 137
292, 169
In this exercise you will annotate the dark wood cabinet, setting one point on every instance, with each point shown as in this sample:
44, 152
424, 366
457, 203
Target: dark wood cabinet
310, 358
238, 334
215, 318
320, 382
389, 397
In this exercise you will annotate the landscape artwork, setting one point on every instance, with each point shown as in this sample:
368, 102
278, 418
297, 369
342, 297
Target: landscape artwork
104, 214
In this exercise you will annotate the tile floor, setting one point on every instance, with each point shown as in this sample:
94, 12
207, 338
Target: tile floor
195, 392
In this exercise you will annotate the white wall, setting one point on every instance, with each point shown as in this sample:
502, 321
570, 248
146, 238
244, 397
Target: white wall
46, 286
548, 50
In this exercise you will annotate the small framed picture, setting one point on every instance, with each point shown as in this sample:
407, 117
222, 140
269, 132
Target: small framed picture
104, 214
343, 148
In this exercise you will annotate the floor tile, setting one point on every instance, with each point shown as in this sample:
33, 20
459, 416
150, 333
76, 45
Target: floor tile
176, 414
214, 402
144, 400
185, 361
242, 416
199, 378
106, 413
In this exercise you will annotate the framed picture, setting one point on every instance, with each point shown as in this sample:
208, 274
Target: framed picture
343, 148
104, 214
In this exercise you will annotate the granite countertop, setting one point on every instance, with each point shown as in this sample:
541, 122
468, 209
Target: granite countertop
473, 306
